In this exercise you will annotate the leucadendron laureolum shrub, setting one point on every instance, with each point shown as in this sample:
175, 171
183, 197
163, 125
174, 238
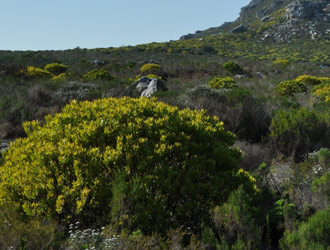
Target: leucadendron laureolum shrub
97, 74
150, 68
291, 87
147, 165
34, 72
56, 68
323, 91
222, 83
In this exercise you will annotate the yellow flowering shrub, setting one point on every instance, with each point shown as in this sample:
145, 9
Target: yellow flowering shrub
56, 68
323, 91
281, 62
222, 82
34, 72
150, 68
97, 74
307, 79
129, 158
291, 87
61, 77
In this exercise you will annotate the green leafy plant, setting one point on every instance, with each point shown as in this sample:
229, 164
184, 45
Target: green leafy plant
222, 82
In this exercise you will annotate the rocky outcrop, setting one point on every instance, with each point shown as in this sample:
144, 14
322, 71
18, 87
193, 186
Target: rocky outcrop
301, 18
240, 28
154, 86
309, 10
259, 9
278, 20
3, 147
145, 86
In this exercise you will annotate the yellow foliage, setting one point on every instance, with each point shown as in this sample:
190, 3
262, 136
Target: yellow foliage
66, 167
33, 72
150, 68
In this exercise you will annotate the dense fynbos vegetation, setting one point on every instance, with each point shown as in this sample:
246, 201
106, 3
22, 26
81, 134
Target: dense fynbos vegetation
106, 171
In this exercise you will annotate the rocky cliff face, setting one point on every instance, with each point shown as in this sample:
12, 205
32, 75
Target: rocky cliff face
279, 20
301, 18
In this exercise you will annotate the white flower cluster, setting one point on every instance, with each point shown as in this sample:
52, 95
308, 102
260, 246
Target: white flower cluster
90, 239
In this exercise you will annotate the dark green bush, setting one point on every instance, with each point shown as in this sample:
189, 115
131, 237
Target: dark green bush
233, 68
235, 220
242, 113
313, 234
297, 132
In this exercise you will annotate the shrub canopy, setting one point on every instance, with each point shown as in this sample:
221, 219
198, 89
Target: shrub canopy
233, 67
147, 164
150, 68
222, 82
291, 87
299, 131
97, 74
56, 68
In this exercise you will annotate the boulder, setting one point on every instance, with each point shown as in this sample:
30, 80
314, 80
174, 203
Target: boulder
154, 86
148, 86
3, 147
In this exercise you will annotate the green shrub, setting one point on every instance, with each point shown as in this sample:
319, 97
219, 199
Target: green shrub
33, 72
299, 131
313, 234
235, 221
97, 74
291, 87
242, 112
150, 68
233, 68
56, 68
222, 82
151, 166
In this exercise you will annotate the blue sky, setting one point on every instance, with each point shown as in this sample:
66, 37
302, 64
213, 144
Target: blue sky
66, 24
